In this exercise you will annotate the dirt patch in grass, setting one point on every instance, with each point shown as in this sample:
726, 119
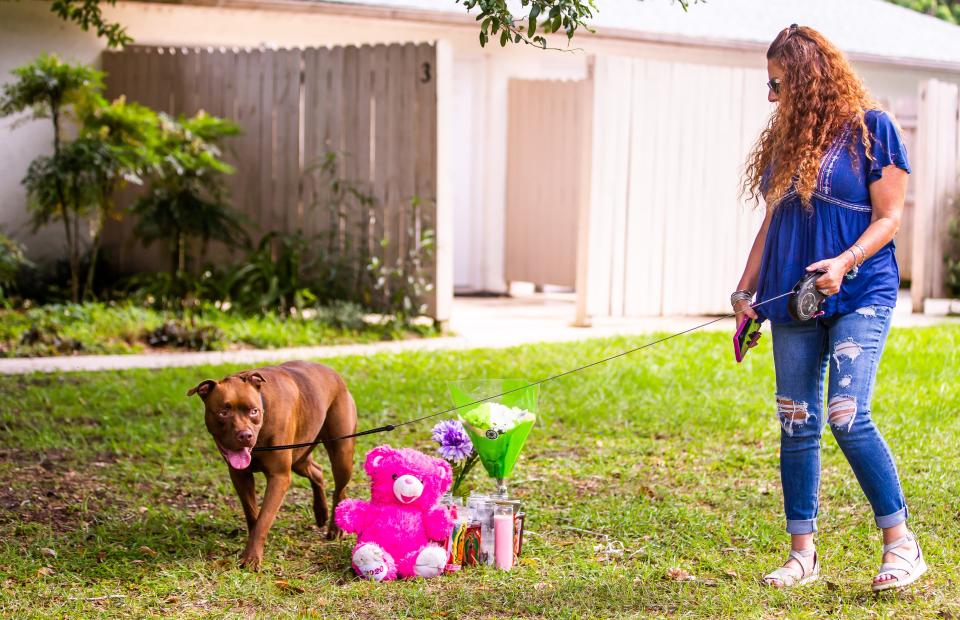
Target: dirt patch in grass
43, 488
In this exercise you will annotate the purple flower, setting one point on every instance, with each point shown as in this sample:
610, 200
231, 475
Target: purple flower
455, 445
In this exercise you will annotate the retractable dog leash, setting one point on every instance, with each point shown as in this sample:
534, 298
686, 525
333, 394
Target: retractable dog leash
805, 301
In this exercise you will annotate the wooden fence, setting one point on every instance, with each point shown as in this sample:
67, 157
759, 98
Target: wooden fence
375, 106
544, 178
936, 164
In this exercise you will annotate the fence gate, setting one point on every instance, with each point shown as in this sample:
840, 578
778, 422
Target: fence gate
374, 106
544, 179
936, 166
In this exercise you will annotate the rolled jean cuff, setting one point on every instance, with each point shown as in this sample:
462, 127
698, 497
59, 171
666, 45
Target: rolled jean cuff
801, 526
892, 519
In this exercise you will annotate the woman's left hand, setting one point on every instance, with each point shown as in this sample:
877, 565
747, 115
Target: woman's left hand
835, 269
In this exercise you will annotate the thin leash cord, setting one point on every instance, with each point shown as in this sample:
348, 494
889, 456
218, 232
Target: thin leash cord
390, 427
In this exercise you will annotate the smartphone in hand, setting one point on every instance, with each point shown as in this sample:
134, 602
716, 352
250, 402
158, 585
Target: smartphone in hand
741, 339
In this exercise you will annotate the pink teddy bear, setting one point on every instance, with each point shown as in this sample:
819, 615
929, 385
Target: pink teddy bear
401, 531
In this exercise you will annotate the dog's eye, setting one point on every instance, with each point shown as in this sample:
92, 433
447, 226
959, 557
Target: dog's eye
254, 412
395, 476
223, 413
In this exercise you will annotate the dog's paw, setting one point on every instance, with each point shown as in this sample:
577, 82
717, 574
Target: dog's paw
251, 560
334, 532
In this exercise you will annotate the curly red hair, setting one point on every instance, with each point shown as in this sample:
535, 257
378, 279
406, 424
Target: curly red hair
819, 95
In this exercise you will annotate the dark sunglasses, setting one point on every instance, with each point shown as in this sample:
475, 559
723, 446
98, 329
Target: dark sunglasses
774, 84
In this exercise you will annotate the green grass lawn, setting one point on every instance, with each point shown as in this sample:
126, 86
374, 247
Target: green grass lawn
669, 454
98, 328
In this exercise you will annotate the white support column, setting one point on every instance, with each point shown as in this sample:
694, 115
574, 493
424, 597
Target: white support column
582, 286
445, 207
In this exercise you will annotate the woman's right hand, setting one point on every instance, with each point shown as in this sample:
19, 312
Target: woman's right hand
743, 309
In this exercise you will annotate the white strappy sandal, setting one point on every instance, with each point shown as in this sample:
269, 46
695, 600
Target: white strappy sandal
904, 572
788, 576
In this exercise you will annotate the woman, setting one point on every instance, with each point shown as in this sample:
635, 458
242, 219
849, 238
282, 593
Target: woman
832, 170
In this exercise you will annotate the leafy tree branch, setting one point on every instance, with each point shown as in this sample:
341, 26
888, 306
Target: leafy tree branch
88, 14
542, 18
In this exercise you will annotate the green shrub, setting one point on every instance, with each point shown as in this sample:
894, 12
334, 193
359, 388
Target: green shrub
186, 200
12, 261
347, 268
186, 334
58, 185
952, 254
342, 315
276, 275
126, 327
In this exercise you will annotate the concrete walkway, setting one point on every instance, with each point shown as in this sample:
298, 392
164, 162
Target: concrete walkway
477, 323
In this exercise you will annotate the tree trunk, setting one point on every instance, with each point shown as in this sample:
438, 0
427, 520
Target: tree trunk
75, 262
65, 216
94, 255
64, 209
175, 256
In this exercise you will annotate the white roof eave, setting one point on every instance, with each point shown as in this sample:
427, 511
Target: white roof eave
944, 45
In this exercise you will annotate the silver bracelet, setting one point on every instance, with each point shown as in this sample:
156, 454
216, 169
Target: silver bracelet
863, 254
855, 261
740, 295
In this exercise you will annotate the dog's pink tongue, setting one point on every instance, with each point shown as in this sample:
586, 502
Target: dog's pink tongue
238, 459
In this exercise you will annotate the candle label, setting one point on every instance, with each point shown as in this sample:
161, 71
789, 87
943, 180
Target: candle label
471, 545
518, 520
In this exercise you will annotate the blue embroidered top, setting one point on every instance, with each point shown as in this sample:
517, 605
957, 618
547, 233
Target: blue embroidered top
839, 212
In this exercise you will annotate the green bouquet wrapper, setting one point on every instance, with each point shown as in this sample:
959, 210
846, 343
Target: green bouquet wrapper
498, 431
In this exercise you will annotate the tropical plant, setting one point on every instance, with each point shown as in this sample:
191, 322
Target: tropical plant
164, 291
344, 249
349, 269
58, 185
186, 200
274, 276
400, 287
120, 137
335, 273
12, 260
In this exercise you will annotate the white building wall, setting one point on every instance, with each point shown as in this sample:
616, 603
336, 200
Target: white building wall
26, 30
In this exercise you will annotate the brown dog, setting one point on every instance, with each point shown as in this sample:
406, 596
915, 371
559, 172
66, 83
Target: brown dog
295, 402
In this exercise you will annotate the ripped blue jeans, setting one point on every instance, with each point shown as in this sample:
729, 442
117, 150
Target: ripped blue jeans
849, 346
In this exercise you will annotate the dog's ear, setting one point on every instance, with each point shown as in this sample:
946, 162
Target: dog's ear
254, 378
203, 389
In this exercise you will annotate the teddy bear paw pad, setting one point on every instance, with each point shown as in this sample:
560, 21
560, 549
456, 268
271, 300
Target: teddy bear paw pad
430, 562
370, 562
